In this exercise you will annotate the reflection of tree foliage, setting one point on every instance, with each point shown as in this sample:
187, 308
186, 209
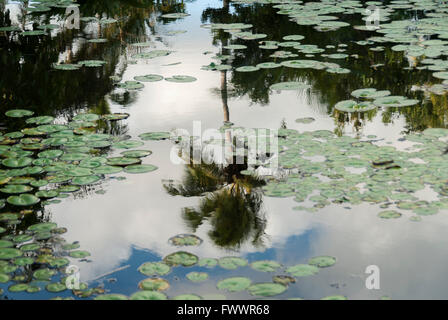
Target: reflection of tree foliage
231, 202
29, 82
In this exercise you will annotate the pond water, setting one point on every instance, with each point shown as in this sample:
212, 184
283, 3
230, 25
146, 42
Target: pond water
358, 183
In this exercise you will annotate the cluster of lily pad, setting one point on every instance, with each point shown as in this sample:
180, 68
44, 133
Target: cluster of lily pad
380, 98
43, 163
154, 288
355, 172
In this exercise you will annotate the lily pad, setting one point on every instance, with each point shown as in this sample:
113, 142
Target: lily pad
149, 78
19, 113
234, 284
23, 200
154, 268
322, 261
148, 295
265, 265
197, 276
302, 270
182, 258
266, 289
181, 78
232, 263
185, 240
154, 284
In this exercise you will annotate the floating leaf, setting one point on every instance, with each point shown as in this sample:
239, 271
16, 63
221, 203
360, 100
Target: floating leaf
266, 289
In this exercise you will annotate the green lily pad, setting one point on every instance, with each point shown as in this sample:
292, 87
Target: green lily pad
353, 106
19, 287
123, 161
140, 168
149, 78
79, 254
232, 263
55, 287
17, 162
15, 188
111, 296
154, 268
187, 297
302, 270
207, 262
154, 136
266, 289
23, 200
19, 113
136, 153
148, 295
154, 284
44, 274
127, 144
265, 265
185, 240
322, 261
82, 181
234, 284
197, 276
181, 78
182, 258
389, 214
42, 227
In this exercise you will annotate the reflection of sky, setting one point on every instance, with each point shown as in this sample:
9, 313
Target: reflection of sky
132, 222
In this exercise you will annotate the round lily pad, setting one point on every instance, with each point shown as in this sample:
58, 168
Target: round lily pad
232, 263
154, 136
42, 227
44, 274
322, 261
122, 161
185, 240
389, 214
23, 200
19, 113
197, 276
181, 78
55, 287
154, 284
154, 268
19, 287
302, 270
265, 265
111, 296
79, 254
136, 153
127, 144
266, 289
17, 162
207, 262
182, 258
148, 78
234, 284
82, 181
148, 295
353, 106
140, 168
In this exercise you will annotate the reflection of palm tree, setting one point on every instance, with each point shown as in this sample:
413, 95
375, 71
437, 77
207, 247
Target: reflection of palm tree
231, 204
233, 214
